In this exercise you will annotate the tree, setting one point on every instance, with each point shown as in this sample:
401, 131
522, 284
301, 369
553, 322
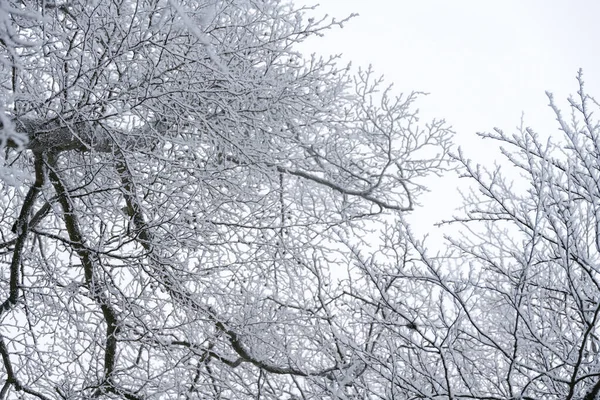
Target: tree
192, 190
511, 311
543, 282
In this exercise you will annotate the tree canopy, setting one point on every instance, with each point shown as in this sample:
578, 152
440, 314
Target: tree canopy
193, 209
186, 193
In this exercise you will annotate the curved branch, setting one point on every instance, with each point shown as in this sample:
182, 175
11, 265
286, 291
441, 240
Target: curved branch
245, 355
22, 228
93, 284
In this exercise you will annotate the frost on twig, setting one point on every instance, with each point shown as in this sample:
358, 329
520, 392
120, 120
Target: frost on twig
192, 188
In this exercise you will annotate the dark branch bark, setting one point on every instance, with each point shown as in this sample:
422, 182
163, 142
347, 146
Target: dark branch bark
93, 283
591, 395
21, 228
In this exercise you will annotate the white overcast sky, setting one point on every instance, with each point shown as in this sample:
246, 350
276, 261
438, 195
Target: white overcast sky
483, 62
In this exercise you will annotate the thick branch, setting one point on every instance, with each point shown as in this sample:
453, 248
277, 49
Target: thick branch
22, 228
58, 136
94, 285
591, 395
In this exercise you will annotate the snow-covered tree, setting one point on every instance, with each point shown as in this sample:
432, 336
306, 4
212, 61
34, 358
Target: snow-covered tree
512, 310
537, 282
191, 192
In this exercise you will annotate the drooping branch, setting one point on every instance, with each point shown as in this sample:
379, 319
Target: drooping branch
366, 194
244, 356
180, 295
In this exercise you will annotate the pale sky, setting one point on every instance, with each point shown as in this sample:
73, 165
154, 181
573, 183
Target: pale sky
483, 62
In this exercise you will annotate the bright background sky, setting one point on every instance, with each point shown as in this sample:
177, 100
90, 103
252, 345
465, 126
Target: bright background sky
484, 63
